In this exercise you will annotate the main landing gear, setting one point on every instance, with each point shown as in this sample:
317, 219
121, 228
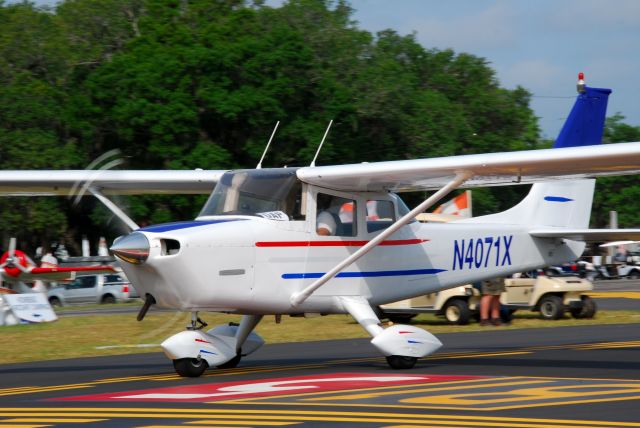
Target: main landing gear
402, 345
193, 351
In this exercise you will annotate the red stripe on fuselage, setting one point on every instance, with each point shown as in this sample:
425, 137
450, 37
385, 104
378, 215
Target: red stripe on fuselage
336, 243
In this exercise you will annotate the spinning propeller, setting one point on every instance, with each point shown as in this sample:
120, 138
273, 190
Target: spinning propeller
14, 262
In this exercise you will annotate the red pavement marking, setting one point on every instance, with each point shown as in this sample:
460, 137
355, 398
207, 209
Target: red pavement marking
267, 387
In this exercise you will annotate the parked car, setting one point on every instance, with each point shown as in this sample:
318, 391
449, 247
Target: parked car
456, 305
103, 288
550, 296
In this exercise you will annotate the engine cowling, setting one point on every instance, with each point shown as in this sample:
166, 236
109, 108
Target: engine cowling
19, 257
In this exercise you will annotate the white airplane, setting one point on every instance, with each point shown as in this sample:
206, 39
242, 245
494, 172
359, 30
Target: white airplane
16, 267
271, 241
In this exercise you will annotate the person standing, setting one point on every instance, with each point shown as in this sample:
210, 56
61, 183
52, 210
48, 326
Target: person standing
48, 260
490, 301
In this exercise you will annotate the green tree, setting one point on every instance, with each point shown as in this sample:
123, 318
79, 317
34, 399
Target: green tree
621, 194
200, 84
33, 133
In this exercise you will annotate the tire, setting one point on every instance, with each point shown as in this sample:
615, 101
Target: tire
232, 363
108, 299
588, 309
190, 367
551, 307
54, 301
634, 274
400, 362
401, 318
456, 311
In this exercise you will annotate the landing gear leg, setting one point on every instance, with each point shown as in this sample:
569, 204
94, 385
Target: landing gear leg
248, 323
196, 322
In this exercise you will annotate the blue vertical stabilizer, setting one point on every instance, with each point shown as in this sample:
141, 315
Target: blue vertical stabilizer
585, 123
563, 203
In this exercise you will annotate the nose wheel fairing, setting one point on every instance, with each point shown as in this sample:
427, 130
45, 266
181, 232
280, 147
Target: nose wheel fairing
216, 347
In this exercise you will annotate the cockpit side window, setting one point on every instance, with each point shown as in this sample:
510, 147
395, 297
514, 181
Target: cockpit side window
380, 215
335, 216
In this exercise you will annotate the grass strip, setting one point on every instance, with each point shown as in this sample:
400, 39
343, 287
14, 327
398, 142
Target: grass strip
117, 334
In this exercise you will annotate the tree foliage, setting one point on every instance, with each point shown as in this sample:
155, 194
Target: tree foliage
621, 193
200, 84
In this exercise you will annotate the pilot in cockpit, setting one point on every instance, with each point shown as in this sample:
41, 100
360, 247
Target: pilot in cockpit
326, 220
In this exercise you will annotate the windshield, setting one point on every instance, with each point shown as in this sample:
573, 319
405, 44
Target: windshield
268, 193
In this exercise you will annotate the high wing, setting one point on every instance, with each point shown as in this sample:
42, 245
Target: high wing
492, 169
109, 182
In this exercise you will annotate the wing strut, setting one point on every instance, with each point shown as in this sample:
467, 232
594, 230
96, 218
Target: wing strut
114, 208
301, 296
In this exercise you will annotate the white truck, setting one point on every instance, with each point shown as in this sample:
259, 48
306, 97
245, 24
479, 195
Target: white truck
102, 288
550, 296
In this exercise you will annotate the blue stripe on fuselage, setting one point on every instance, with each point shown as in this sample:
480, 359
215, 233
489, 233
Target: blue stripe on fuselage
371, 274
557, 199
166, 227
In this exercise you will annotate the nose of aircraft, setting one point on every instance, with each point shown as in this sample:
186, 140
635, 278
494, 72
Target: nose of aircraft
133, 248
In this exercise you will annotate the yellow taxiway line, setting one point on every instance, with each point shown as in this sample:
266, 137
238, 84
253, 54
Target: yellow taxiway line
207, 417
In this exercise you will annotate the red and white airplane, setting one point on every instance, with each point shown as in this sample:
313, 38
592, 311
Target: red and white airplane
271, 241
16, 266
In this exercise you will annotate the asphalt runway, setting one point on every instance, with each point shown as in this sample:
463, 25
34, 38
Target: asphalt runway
552, 377
617, 294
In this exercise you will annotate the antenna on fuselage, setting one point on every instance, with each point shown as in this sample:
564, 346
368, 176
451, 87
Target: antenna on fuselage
313, 162
268, 144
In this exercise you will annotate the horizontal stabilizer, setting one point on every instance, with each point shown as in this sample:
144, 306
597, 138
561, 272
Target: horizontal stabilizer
588, 235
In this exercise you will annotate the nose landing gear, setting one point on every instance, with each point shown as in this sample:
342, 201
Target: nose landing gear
193, 350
